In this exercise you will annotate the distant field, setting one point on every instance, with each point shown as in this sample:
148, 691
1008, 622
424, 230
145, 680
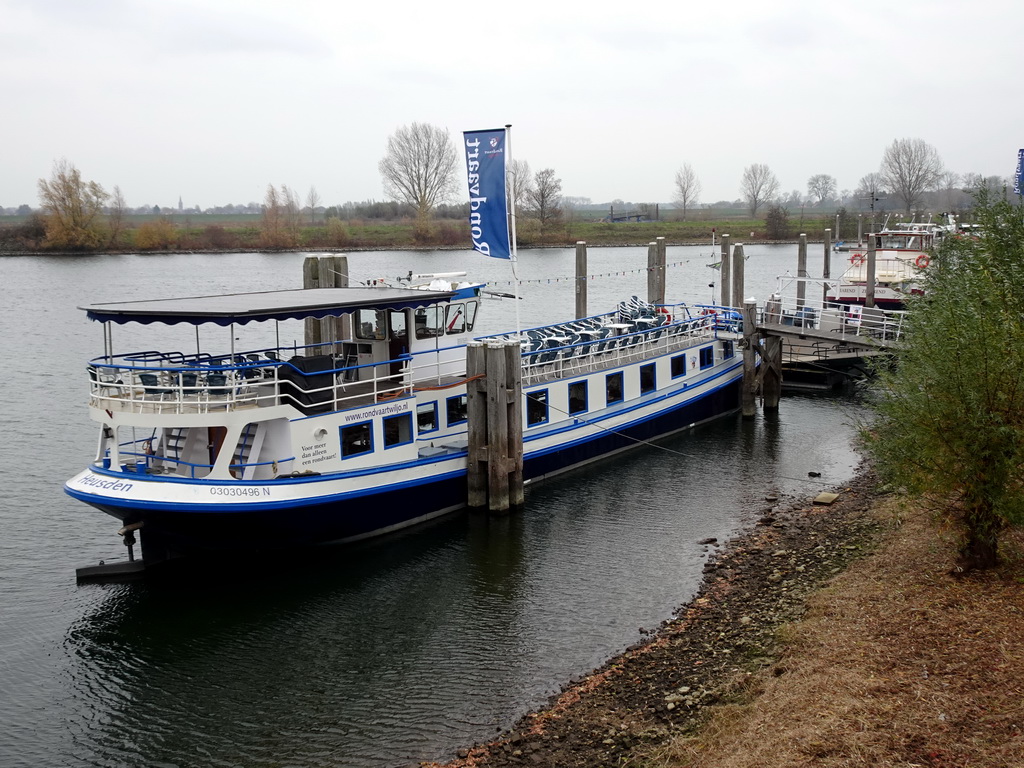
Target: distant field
245, 231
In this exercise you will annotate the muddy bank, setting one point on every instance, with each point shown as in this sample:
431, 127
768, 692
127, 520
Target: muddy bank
662, 686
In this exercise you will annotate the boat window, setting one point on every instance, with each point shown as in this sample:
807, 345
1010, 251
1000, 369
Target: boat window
678, 366
398, 329
370, 324
536, 407
648, 378
456, 408
455, 319
356, 439
471, 307
728, 349
578, 397
429, 322
397, 430
707, 357
426, 417
613, 388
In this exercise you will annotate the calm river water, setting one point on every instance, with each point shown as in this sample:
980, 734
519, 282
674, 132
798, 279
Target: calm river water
385, 654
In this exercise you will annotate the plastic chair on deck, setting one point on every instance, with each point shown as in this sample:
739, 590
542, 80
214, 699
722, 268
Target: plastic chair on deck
104, 382
151, 386
188, 381
216, 385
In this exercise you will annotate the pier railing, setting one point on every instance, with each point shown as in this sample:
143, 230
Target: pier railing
867, 326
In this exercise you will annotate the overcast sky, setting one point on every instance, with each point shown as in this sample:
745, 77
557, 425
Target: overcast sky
212, 100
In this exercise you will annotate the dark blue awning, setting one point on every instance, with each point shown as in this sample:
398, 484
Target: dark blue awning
242, 308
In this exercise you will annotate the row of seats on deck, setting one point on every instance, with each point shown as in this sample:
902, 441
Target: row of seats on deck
591, 336
305, 381
218, 382
187, 383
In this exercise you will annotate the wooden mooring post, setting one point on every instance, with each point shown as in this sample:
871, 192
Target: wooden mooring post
738, 276
325, 272
656, 271
494, 413
748, 399
769, 375
766, 379
581, 279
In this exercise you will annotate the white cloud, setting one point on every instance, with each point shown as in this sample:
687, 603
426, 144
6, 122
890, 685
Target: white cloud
215, 100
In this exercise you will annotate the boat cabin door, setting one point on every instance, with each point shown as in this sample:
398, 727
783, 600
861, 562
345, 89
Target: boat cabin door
398, 338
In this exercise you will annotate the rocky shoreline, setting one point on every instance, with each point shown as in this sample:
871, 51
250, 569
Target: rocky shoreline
663, 686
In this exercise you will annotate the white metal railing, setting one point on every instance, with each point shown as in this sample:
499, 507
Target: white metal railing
167, 383
844, 320
633, 332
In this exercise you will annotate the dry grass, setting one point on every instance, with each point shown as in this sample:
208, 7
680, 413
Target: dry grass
896, 663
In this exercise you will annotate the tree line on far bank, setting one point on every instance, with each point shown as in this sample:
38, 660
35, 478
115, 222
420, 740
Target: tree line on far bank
420, 173
78, 215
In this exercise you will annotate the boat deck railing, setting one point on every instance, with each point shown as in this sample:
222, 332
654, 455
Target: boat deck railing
316, 380
890, 269
636, 330
140, 457
172, 382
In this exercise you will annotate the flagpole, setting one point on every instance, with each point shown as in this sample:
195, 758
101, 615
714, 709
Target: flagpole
512, 223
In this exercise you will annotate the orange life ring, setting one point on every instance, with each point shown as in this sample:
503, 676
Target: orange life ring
922, 261
857, 259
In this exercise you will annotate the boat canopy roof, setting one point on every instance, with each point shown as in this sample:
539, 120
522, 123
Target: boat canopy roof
242, 308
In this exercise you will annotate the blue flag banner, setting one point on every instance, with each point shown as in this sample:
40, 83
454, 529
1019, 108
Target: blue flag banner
488, 209
1018, 179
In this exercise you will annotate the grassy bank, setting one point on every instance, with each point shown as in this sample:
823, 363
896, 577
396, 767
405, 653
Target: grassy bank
828, 637
246, 232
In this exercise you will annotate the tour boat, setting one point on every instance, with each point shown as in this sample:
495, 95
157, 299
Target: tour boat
901, 256
260, 447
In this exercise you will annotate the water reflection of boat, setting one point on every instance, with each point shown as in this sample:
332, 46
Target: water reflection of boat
901, 256
271, 447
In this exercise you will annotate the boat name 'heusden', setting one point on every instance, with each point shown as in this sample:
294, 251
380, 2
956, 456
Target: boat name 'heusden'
110, 485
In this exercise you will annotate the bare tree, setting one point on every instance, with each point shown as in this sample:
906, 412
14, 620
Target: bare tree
973, 182
545, 198
72, 208
793, 200
950, 195
312, 201
292, 213
758, 186
280, 212
822, 186
419, 169
910, 167
870, 190
115, 219
687, 189
518, 182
